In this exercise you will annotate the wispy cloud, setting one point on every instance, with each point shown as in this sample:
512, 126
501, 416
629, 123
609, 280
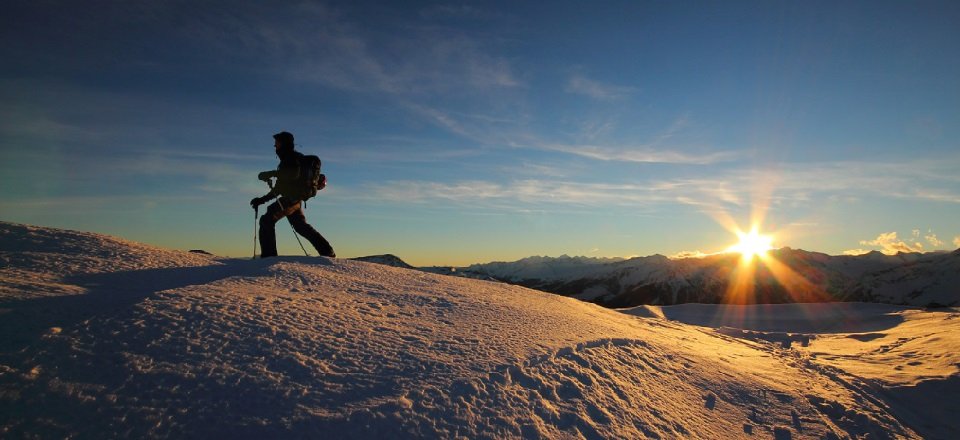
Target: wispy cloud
534, 169
715, 192
523, 191
522, 195
658, 148
581, 85
494, 131
443, 119
423, 61
426, 69
676, 127
641, 154
394, 152
922, 179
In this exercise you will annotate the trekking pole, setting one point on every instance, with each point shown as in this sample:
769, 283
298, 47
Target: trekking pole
256, 213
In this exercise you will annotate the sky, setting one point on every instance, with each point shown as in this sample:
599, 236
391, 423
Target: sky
455, 133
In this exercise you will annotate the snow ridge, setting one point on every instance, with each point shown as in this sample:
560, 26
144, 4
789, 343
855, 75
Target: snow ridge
299, 347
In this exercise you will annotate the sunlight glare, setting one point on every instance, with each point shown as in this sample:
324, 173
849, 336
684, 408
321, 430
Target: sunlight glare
752, 244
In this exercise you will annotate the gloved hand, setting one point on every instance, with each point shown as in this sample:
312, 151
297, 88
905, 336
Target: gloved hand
266, 175
257, 201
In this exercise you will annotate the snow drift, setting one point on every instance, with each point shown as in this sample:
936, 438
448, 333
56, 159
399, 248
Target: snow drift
107, 338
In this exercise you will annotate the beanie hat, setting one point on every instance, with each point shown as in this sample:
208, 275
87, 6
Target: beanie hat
285, 138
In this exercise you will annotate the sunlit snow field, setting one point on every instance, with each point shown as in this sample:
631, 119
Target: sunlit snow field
107, 338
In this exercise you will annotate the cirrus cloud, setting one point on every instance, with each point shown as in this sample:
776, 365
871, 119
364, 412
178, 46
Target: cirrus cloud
582, 85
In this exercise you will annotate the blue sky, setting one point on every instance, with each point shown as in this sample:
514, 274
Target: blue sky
455, 133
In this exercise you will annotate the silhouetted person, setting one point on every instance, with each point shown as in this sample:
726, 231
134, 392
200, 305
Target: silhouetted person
290, 190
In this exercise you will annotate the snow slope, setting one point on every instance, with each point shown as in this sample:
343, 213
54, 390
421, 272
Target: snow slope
908, 356
168, 344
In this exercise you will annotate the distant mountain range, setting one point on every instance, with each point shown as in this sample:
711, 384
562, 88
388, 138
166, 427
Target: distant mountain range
791, 275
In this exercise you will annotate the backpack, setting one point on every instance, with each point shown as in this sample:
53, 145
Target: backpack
310, 180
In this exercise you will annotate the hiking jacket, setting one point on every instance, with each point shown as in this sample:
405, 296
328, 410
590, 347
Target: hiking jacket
287, 174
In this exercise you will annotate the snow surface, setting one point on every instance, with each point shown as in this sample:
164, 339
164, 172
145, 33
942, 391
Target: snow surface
107, 338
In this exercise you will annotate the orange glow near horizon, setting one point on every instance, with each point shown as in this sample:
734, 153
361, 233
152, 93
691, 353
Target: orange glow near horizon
759, 277
752, 247
756, 263
752, 244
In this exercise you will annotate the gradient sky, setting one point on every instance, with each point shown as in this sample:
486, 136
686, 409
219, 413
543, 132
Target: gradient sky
455, 133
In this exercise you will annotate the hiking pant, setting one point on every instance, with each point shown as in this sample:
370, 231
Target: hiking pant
290, 209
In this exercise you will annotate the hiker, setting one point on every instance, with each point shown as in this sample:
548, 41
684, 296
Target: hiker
291, 189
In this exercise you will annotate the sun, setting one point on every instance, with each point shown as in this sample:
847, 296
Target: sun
752, 244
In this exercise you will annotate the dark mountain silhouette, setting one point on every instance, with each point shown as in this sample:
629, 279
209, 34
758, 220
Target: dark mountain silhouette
784, 276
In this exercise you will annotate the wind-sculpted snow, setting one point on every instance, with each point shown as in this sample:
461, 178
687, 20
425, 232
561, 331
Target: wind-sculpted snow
299, 347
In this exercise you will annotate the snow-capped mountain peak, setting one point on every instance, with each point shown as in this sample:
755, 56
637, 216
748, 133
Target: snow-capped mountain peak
657, 279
